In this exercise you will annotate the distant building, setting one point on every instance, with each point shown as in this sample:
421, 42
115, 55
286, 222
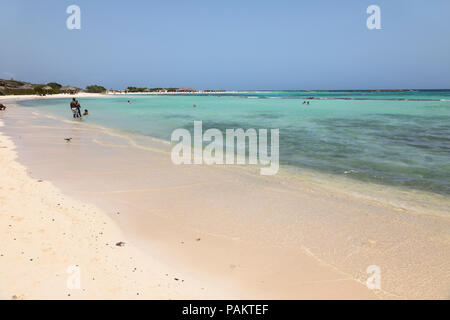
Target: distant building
69, 90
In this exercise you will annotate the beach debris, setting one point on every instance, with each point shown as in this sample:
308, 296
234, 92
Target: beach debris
40, 180
198, 239
120, 244
68, 139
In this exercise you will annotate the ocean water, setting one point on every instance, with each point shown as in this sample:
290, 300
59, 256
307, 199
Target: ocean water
386, 138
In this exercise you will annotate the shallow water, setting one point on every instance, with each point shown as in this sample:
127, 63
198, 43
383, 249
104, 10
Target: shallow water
388, 138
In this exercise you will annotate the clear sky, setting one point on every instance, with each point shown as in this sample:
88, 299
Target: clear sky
233, 44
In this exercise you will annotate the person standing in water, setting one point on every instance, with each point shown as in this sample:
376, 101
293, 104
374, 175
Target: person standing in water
74, 107
79, 109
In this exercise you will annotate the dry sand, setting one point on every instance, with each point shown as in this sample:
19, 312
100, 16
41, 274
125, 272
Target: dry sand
52, 96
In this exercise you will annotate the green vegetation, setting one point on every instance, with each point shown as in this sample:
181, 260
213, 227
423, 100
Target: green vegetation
54, 85
14, 87
39, 89
135, 89
95, 89
9, 91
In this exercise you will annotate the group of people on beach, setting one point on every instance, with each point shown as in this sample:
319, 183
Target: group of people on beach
306, 102
76, 109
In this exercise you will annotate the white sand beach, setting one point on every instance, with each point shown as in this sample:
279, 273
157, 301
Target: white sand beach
44, 233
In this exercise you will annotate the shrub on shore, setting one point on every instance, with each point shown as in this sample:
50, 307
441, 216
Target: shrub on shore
95, 89
55, 86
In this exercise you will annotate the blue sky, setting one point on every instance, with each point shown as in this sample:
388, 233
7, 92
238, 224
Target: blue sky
234, 44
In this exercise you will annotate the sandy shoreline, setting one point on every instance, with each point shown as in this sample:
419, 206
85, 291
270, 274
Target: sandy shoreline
318, 247
47, 238
52, 96
45, 234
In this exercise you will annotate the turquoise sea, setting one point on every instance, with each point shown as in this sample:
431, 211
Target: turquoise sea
387, 138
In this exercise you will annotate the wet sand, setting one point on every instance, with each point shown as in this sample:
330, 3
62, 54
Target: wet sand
54, 247
230, 231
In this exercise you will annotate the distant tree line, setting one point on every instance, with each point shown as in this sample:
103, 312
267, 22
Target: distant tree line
14, 87
137, 89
